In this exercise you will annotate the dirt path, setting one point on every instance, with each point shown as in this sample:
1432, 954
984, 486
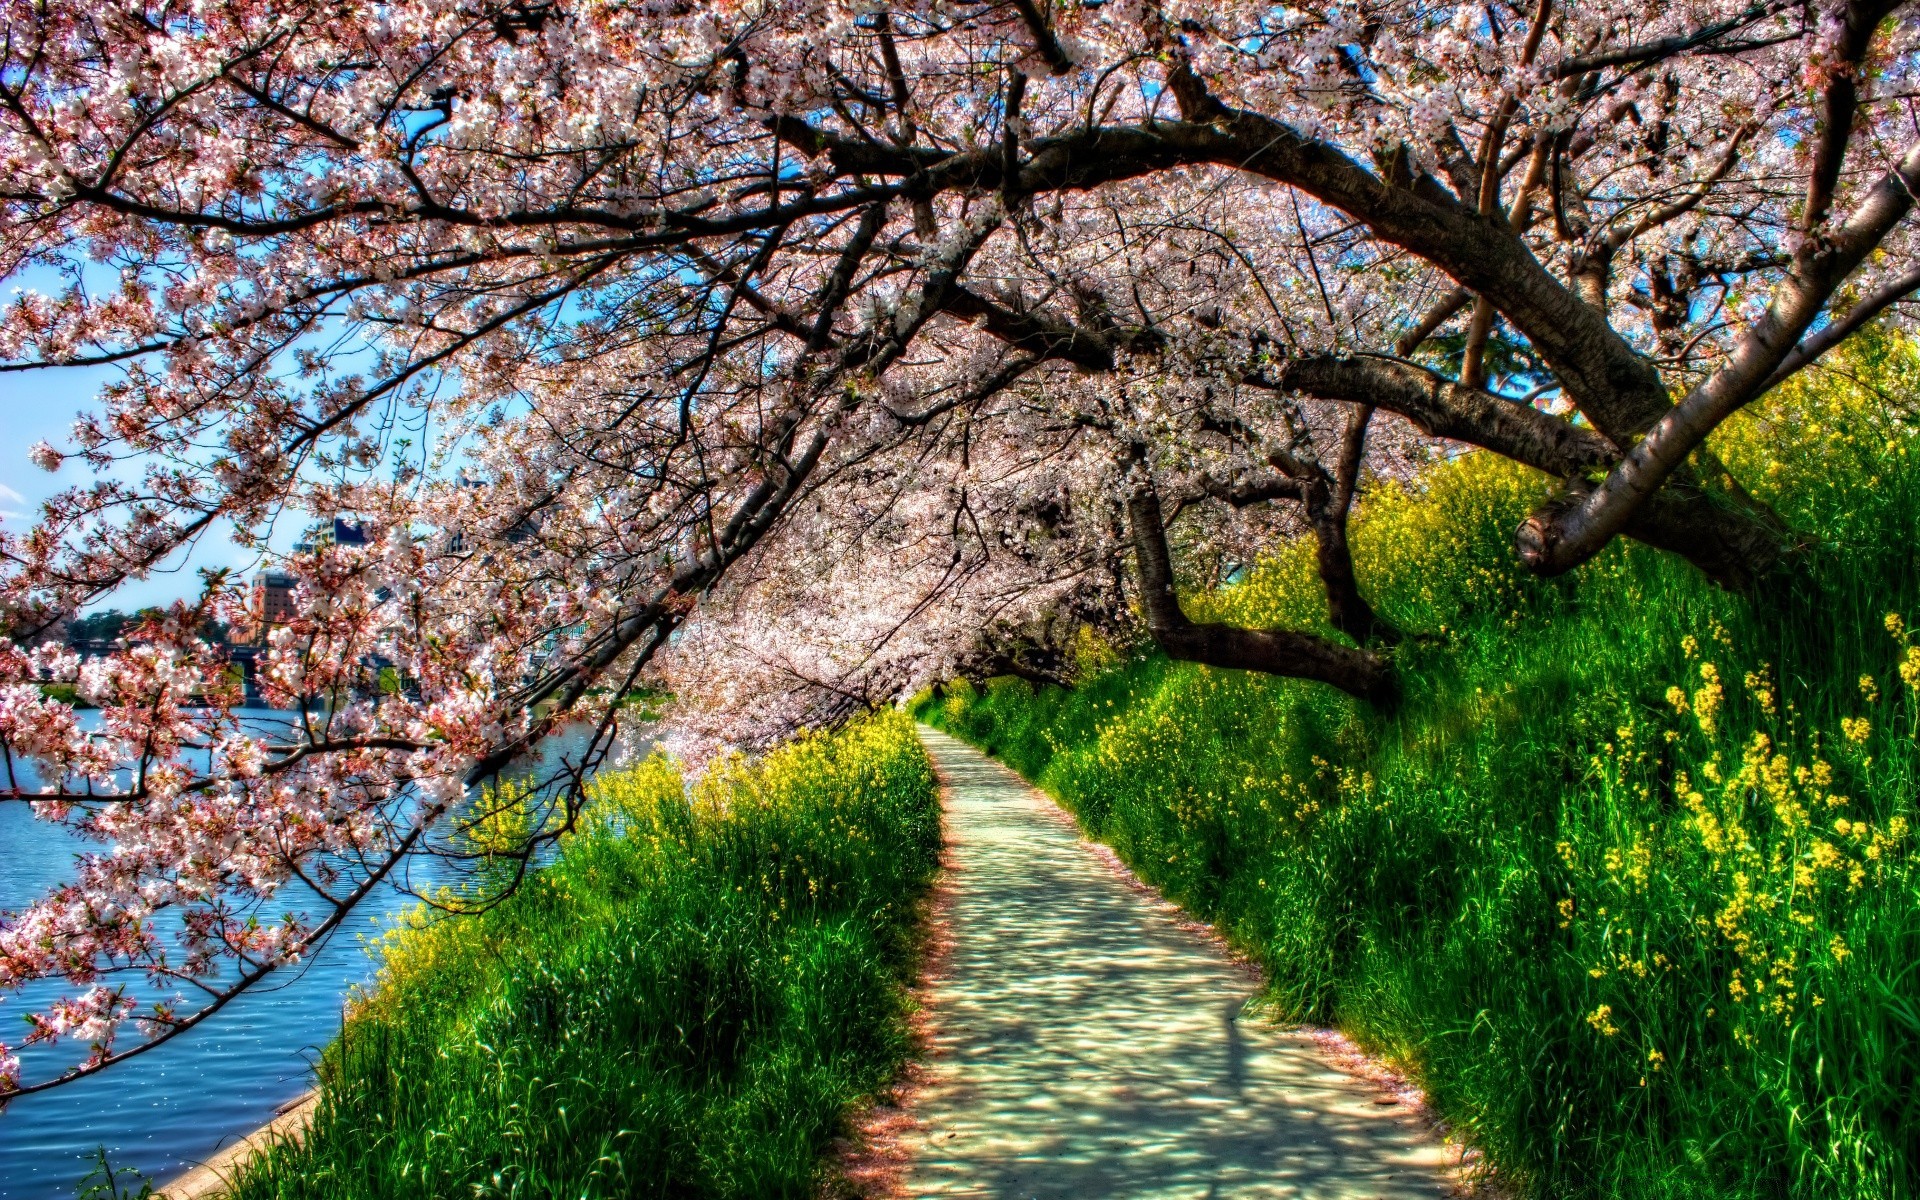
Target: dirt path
1086, 1044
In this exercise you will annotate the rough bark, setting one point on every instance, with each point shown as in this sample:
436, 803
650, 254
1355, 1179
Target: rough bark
1035, 665
1327, 512
1326, 507
1283, 652
1622, 395
1559, 538
1733, 543
1566, 534
1326, 500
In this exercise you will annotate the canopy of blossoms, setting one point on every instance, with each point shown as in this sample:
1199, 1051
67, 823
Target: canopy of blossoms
811, 351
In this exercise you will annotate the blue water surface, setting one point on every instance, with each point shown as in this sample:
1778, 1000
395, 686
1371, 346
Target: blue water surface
178, 1104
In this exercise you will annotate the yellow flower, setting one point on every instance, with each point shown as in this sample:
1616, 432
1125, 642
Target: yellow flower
1602, 1020
1656, 1060
1895, 625
1857, 729
1838, 948
1707, 697
1678, 698
1869, 690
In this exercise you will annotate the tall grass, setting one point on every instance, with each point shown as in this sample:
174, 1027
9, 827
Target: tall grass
1627, 880
685, 1003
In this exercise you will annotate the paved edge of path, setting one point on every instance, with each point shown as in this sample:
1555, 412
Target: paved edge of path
886, 1156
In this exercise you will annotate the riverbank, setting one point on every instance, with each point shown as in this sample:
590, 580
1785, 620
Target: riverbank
688, 1001
1626, 881
159, 1114
212, 1179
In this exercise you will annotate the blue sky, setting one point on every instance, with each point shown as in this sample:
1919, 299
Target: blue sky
41, 405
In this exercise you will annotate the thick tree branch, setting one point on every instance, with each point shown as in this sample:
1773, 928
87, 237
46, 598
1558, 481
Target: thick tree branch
1035, 332
1559, 539
1725, 542
1440, 407
1247, 492
1044, 40
1839, 329
1704, 38
1281, 652
1617, 388
1839, 100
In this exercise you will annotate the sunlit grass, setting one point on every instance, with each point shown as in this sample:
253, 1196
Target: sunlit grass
684, 1004
1628, 880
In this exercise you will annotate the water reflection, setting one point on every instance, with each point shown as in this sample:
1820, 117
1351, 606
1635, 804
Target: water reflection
175, 1106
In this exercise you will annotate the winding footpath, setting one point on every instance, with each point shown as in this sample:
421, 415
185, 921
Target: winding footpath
1086, 1043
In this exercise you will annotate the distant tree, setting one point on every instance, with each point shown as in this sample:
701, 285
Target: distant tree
105, 626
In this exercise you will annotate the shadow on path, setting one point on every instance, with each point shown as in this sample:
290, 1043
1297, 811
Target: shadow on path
1085, 1045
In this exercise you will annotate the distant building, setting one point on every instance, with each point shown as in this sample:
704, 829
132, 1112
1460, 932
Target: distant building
272, 599
522, 531
340, 531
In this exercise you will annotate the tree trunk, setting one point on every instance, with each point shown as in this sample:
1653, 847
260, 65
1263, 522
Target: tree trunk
1327, 513
1283, 652
1731, 537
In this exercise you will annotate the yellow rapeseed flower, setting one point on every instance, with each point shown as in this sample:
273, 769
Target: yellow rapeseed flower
1707, 698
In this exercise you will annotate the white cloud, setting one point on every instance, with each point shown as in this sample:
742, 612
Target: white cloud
7, 493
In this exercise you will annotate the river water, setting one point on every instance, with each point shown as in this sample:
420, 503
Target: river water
174, 1106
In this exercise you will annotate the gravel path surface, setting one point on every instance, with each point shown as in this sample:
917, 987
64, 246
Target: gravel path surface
1086, 1043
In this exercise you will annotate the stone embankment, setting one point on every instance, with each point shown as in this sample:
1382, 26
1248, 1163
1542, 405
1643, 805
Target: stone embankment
209, 1180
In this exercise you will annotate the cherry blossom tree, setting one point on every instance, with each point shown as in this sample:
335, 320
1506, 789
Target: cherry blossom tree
829, 348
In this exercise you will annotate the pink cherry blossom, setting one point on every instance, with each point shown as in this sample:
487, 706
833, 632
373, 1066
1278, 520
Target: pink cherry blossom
795, 356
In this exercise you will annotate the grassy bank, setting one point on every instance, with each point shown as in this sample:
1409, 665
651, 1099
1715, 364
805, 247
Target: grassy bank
684, 1004
1628, 879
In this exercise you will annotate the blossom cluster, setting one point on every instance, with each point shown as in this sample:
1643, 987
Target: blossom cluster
802, 354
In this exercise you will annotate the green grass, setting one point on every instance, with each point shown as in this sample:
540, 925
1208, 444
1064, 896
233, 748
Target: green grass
1632, 948
686, 1003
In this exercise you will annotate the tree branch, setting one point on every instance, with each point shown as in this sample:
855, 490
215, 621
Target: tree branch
1282, 652
1561, 538
1442, 408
